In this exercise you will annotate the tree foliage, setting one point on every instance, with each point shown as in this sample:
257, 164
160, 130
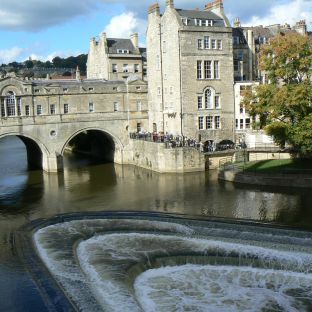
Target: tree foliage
284, 105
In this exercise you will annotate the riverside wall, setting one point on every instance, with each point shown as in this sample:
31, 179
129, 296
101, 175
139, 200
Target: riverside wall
156, 157
284, 180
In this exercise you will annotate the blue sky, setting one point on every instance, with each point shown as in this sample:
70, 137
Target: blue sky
44, 28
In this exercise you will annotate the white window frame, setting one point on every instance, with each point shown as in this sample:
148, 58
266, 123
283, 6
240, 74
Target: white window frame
200, 123
39, 109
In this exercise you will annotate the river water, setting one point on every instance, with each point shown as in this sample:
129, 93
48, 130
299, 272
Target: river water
85, 187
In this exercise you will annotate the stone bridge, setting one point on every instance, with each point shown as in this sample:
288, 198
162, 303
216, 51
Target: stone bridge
47, 114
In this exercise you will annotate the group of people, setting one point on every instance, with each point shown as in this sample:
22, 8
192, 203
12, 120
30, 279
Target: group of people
174, 141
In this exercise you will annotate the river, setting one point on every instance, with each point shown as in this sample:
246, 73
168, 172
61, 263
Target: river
86, 187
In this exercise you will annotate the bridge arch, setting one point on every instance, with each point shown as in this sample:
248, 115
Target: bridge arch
37, 152
100, 142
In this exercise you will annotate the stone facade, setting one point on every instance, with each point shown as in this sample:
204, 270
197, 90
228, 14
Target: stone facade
116, 59
190, 72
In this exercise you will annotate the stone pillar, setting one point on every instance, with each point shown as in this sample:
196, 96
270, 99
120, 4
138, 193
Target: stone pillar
52, 163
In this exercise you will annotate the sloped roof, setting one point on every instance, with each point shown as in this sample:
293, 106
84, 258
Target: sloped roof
204, 15
117, 43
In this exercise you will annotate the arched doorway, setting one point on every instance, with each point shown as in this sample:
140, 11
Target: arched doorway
95, 145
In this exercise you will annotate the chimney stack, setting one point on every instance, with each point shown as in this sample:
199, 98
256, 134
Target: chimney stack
154, 9
169, 4
237, 23
78, 77
216, 6
135, 40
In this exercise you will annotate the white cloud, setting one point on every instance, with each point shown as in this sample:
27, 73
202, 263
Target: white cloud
290, 13
122, 26
10, 55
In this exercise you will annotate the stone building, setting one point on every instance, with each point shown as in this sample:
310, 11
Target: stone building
116, 59
190, 72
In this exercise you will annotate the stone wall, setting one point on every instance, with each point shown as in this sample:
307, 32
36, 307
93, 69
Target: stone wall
156, 157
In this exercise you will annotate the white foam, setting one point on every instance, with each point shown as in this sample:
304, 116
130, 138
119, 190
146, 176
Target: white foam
223, 288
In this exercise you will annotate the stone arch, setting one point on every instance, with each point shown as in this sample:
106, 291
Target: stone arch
37, 152
116, 145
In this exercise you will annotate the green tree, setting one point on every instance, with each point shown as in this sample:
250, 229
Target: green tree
284, 105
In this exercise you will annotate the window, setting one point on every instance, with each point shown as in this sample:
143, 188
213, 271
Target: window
25, 89
209, 23
10, 102
236, 65
241, 124
122, 51
208, 99
114, 68
199, 70
91, 107
219, 44
139, 106
158, 91
66, 108
206, 42
241, 109
217, 122
235, 40
207, 69
52, 109
65, 89
136, 68
200, 102
201, 123
39, 109
116, 106
91, 89
247, 123
138, 127
154, 127
184, 20
200, 44
213, 44
216, 69
27, 110
209, 122
236, 123
125, 68
19, 106
217, 102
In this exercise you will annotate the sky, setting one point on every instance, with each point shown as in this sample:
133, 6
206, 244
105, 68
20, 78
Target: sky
43, 29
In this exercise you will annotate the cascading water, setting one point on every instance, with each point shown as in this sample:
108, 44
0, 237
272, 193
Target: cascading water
168, 264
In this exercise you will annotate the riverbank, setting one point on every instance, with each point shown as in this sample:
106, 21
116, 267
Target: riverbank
284, 172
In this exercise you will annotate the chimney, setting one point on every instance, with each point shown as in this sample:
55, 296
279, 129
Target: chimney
154, 9
216, 6
135, 40
78, 77
169, 4
237, 23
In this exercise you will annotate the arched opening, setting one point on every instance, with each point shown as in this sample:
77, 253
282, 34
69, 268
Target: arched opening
94, 146
23, 152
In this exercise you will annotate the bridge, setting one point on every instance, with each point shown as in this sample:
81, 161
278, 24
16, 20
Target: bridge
49, 114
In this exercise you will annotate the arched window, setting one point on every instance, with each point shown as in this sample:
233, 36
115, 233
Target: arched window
10, 102
208, 99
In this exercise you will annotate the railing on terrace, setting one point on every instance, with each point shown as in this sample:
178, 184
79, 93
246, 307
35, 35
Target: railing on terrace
172, 141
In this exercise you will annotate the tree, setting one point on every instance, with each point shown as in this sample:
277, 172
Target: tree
284, 105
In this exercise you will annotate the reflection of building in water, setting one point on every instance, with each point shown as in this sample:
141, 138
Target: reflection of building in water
268, 207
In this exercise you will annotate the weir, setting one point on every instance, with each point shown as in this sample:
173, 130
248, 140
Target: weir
164, 262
